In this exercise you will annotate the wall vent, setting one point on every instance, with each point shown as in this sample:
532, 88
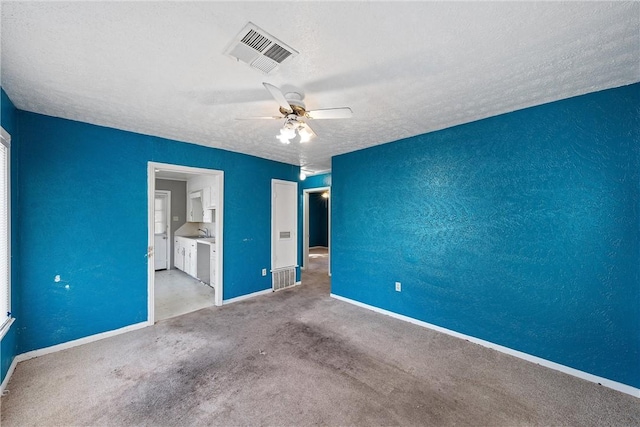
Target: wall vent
283, 278
259, 49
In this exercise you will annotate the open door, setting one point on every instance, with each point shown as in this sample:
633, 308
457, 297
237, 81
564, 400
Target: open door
162, 232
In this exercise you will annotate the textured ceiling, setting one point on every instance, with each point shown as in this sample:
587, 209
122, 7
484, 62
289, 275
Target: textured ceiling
159, 68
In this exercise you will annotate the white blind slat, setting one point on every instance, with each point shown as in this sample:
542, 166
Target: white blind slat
5, 281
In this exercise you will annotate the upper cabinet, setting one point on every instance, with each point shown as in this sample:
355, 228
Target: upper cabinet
195, 210
210, 197
203, 198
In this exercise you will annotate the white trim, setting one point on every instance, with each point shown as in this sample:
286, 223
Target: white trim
274, 239
80, 341
151, 270
167, 194
308, 174
624, 388
5, 138
305, 229
219, 221
247, 296
6, 327
305, 225
219, 239
7, 377
65, 345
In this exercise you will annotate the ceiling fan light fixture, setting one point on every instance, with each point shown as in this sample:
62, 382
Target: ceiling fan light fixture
283, 139
295, 115
287, 132
305, 135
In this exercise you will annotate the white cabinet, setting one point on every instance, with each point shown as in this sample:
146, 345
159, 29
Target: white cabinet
191, 258
209, 201
210, 197
196, 258
195, 211
185, 255
203, 194
178, 254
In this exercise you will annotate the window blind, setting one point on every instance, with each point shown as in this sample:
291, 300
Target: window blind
5, 244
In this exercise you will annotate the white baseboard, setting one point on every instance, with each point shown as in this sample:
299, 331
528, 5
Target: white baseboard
12, 368
85, 340
247, 296
624, 388
65, 345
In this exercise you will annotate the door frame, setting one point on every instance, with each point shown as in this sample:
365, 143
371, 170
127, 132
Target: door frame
167, 193
305, 225
151, 189
275, 182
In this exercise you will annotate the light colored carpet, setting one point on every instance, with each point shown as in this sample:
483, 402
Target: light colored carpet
177, 293
298, 357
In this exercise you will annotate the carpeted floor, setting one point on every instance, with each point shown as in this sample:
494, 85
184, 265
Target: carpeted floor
299, 357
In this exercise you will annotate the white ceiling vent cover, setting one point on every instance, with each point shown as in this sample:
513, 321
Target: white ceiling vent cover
259, 49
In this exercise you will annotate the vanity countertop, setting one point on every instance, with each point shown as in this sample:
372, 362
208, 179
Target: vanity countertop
206, 240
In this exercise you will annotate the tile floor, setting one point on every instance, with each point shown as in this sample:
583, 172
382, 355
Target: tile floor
177, 293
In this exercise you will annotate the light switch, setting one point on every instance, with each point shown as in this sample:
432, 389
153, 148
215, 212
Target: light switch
175, 218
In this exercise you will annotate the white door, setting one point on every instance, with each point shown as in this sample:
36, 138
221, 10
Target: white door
284, 225
161, 230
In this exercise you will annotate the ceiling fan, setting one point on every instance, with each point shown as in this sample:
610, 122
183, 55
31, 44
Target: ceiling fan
295, 115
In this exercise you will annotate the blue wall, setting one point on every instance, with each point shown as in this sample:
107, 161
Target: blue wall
311, 182
9, 121
316, 181
83, 211
318, 220
521, 229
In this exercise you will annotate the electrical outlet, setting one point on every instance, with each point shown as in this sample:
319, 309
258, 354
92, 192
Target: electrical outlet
398, 287
264, 271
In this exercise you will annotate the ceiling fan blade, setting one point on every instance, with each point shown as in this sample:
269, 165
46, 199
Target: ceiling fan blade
278, 96
330, 113
260, 118
308, 128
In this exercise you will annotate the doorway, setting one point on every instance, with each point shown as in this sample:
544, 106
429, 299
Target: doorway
316, 243
184, 290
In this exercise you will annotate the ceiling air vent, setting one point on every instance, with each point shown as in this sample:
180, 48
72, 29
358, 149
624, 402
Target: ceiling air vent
259, 49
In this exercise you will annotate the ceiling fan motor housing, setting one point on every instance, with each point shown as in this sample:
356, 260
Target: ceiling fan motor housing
295, 101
